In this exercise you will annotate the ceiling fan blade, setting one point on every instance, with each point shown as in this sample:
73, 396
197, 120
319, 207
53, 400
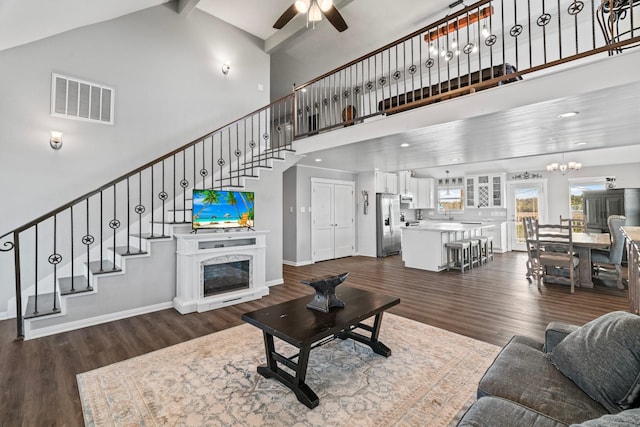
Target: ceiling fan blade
336, 19
286, 17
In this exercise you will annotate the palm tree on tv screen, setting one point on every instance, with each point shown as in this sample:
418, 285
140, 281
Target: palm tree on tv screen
231, 199
210, 197
249, 196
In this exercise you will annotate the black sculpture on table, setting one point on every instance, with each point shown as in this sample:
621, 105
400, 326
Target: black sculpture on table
325, 297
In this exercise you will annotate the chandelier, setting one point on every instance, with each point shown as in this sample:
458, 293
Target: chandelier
313, 9
438, 39
564, 167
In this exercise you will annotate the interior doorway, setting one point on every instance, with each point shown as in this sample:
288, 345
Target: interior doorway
332, 219
525, 199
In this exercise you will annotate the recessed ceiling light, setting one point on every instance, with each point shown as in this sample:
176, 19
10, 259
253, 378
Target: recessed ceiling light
581, 143
567, 114
404, 145
318, 160
455, 160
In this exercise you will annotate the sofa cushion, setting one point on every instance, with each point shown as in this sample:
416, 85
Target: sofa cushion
603, 359
521, 373
628, 418
495, 411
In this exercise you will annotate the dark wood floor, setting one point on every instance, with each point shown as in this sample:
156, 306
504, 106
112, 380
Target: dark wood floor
491, 303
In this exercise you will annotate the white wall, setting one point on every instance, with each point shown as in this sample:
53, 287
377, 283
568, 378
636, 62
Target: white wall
289, 204
169, 90
301, 253
627, 176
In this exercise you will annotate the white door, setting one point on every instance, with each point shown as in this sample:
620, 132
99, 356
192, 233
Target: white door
332, 219
343, 220
322, 230
526, 199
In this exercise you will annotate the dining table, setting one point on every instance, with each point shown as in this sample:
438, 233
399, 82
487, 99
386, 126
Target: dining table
583, 243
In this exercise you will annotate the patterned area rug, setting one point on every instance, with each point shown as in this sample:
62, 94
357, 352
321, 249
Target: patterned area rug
429, 379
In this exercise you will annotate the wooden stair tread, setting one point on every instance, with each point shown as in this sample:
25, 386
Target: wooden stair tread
128, 251
45, 305
74, 285
149, 236
103, 267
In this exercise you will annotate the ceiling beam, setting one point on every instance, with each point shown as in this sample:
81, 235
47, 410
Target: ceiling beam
186, 6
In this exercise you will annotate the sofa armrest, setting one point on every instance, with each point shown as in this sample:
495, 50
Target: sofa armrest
556, 332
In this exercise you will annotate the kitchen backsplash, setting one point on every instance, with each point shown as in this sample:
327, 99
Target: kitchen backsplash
469, 214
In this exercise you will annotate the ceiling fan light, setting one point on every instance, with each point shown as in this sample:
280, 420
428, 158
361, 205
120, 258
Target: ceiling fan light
315, 14
302, 6
325, 5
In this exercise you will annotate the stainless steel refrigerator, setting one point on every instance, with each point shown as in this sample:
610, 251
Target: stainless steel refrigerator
388, 224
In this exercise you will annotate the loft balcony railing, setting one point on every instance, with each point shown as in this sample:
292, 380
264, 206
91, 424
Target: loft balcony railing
57, 253
487, 44
82, 238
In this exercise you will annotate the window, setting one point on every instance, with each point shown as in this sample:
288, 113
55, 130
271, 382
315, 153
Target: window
577, 186
450, 199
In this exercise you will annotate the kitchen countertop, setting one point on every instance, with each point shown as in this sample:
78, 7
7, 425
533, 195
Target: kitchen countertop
449, 226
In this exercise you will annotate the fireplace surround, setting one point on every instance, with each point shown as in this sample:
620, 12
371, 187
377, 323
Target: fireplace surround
216, 269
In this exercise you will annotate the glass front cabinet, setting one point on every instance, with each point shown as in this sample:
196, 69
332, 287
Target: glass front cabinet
485, 191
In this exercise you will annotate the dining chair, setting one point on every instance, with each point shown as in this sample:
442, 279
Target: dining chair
576, 223
603, 260
553, 252
533, 268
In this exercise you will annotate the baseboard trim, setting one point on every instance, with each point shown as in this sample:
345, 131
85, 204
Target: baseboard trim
275, 282
70, 326
296, 264
4, 315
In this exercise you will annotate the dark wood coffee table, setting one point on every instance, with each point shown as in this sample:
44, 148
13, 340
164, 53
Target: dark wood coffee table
306, 329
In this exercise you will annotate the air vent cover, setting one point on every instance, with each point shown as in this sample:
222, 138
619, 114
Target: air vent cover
81, 100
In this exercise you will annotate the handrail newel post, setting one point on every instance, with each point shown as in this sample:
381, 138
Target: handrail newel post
18, 279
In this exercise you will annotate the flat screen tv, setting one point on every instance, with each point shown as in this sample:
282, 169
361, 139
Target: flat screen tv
219, 209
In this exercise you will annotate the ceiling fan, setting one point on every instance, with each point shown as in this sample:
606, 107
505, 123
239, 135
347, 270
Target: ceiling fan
314, 10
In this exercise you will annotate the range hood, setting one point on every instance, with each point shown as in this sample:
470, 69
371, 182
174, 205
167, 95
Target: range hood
406, 198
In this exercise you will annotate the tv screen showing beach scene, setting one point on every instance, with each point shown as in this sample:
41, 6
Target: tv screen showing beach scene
222, 209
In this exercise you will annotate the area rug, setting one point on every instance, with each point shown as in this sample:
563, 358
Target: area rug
429, 379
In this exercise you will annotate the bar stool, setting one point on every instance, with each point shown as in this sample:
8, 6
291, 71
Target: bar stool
474, 251
461, 249
483, 241
489, 248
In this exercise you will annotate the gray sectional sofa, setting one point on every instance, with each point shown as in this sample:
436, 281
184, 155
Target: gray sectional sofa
587, 376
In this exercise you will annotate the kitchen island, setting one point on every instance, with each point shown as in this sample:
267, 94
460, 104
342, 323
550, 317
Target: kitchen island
423, 246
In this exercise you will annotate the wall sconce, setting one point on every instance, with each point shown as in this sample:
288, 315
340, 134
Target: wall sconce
56, 140
225, 68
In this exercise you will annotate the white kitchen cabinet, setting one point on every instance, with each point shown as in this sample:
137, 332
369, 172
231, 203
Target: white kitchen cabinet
500, 237
425, 193
386, 183
485, 191
406, 183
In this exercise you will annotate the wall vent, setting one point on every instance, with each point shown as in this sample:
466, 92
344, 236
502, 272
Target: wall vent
81, 100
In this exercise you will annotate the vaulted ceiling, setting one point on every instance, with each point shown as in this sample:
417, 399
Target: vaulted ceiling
606, 118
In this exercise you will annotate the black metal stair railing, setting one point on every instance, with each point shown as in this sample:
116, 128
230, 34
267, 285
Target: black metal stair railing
110, 221
440, 61
487, 44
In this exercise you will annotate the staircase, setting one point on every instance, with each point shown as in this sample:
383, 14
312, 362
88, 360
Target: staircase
120, 235
111, 254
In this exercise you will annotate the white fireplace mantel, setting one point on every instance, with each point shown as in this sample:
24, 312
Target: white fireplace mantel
195, 249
